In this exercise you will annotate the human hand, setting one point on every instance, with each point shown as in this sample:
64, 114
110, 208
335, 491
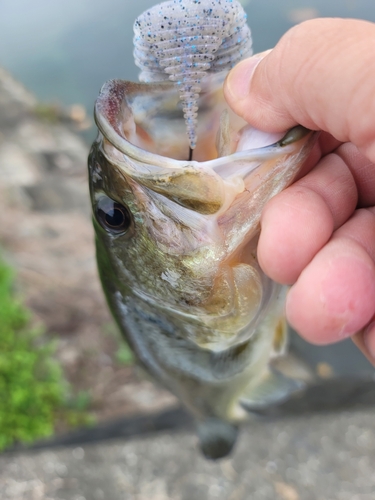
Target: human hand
319, 234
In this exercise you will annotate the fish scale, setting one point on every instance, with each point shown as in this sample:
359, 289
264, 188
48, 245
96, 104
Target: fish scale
183, 42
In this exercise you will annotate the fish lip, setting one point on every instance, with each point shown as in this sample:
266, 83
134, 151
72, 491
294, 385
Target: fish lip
108, 107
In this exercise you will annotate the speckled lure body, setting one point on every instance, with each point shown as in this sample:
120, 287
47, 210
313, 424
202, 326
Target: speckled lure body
176, 239
183, 41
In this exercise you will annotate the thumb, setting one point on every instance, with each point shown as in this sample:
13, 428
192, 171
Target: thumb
321, 75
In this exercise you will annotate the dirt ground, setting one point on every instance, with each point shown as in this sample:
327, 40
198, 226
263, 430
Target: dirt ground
46, 234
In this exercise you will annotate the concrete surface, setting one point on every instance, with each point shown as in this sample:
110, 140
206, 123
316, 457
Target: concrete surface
315, 457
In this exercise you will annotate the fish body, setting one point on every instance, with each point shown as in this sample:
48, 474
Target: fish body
177, 246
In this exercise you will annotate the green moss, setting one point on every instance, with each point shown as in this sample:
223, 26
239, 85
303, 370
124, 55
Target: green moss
33, 393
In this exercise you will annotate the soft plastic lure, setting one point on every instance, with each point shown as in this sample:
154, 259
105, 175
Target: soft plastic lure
183, 40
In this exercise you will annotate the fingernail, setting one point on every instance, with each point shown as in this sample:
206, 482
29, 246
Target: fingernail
369, 339
239, 78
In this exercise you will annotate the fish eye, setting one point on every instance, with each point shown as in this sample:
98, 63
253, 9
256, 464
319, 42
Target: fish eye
113, 216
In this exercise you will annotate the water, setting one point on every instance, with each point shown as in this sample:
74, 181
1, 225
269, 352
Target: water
65, 50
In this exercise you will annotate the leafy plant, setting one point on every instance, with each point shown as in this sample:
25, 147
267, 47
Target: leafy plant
123, 354
33, 393
50, 113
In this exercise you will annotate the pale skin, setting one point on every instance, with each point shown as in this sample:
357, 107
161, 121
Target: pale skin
319, 234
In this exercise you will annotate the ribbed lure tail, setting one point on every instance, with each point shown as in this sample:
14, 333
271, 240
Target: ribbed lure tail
183, 40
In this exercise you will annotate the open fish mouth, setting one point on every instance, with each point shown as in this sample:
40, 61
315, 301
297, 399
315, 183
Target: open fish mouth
145, 123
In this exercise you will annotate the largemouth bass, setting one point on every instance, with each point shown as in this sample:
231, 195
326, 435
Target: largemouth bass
176, 237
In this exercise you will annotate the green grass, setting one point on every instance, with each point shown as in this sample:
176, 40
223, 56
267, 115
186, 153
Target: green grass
33, 392
123, 354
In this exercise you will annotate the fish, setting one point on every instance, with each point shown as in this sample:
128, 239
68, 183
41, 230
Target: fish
176, 212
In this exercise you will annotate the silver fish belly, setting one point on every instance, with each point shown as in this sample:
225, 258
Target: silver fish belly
177, 239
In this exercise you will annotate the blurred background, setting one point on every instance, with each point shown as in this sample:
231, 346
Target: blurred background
62, 362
